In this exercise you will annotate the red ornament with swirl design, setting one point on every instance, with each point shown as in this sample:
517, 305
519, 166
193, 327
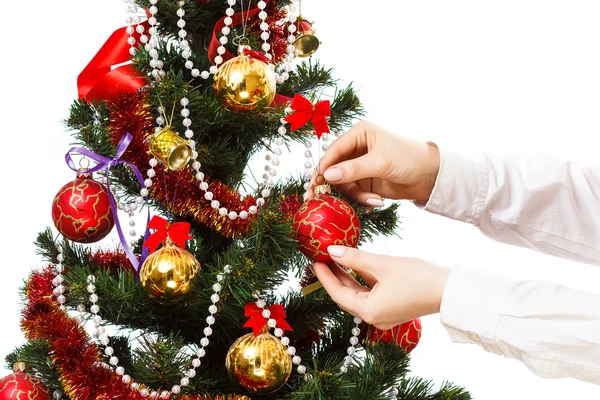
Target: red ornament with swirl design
22, 386
324, 221
81, 210
406, 335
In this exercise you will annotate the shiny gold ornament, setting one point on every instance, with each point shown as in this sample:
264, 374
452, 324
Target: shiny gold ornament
170, 148
259, 364
168, 273
244, 83
306, 44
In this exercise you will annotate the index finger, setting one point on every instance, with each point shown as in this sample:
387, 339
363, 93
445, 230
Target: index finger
343, 147
347, 298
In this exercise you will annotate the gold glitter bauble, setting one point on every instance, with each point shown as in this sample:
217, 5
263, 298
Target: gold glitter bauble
259, 364
168, 273
244, 83
170, 148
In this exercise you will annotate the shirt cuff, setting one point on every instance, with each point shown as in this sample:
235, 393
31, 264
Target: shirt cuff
471, 306
461, 187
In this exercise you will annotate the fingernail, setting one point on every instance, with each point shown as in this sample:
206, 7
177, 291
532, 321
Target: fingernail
374, 202
336, 251
333, 174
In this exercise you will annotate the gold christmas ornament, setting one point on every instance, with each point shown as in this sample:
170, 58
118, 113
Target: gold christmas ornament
259, 364
306, 44
170, 148
167, 274
244, 83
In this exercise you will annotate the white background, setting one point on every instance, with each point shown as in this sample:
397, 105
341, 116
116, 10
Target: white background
510, 76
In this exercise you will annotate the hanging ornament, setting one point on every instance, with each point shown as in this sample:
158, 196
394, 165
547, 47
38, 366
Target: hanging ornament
305, 111
22, 386
245, 82
258, 361
170, 148
323, 221
81, 210
168, 273
306, 44
406, 335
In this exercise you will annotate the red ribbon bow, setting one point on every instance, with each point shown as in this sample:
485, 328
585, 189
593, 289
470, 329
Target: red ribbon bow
306, 111
110, 72
257, 321
179, 232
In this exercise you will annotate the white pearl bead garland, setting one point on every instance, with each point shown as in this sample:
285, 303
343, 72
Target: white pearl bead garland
291, 350
129, 208
100, 333
57, 282
132, 18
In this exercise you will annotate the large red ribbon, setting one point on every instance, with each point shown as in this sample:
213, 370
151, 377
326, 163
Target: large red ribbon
179, 233
306, 111
257, 322
105, 75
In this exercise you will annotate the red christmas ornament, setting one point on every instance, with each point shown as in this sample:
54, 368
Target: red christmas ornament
406, 335
324, 221
22, 386
81, 210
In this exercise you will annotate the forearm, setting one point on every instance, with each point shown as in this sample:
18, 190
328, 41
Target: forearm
539, 202
553, 329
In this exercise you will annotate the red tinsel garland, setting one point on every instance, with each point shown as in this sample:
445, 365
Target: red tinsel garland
39, 284
111, 260
78, 361
131, 113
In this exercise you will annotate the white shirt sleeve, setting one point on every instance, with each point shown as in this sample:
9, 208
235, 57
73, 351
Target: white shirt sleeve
542, 203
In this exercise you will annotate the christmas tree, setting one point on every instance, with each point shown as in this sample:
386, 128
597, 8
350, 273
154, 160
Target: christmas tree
201, 303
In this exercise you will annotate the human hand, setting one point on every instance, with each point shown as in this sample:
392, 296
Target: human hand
401, 288
368, 163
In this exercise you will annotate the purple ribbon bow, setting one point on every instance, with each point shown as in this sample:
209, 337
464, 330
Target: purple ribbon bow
107, 163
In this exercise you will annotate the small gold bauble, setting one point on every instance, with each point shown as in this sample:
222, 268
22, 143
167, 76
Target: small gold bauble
244, 83
168, 273
170, 148
259, 364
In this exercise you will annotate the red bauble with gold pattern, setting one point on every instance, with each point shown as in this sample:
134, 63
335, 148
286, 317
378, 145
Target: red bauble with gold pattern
406, 335
323, 221
81, 210
22, 386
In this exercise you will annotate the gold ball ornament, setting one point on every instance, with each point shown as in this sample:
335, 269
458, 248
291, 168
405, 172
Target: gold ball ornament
170, 148
244, 83
259, 364
168, 273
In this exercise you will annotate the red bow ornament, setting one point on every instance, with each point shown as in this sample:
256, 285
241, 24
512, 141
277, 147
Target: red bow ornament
257, 322
306, 111
178, 233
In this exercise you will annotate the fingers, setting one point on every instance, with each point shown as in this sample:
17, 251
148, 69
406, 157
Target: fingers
347, 279
354, 192
360, 261
343, 147
347, 298
367, 166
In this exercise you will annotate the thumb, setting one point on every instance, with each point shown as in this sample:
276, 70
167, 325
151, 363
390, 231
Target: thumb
367, 166
358, 260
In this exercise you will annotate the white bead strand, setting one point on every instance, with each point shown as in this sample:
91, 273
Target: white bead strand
100, 333
57, 282
291, 350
